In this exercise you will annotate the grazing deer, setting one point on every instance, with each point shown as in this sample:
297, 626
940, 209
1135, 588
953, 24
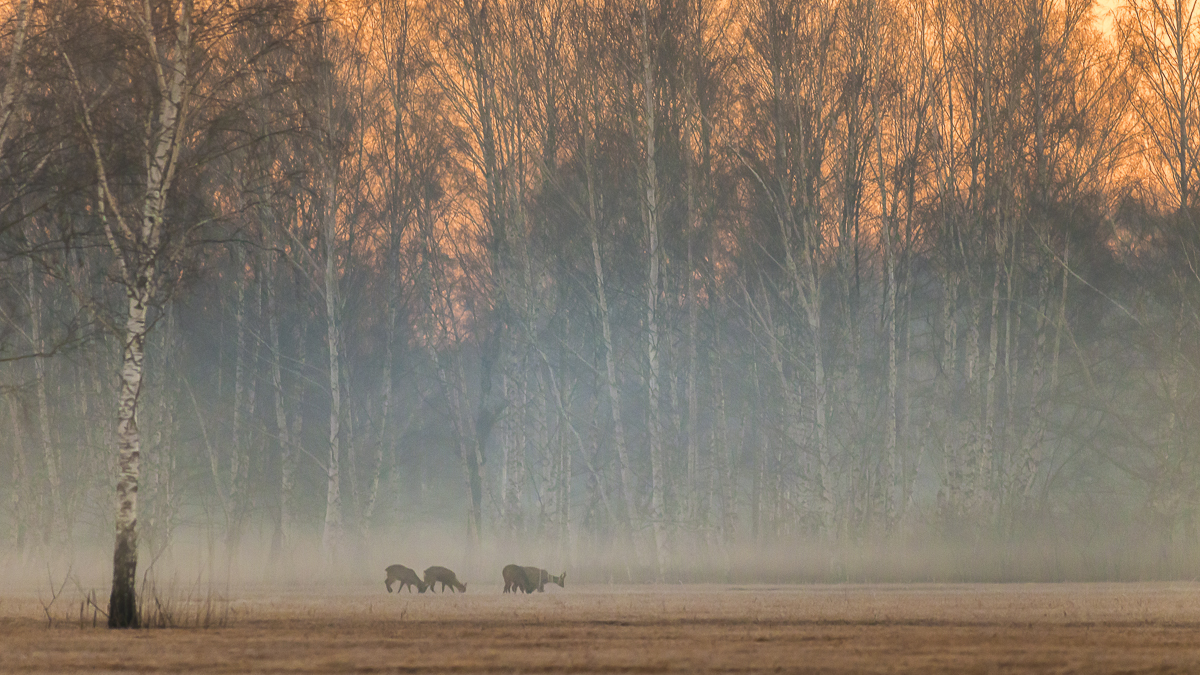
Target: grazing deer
528, 579
445, 577
514, 579
406, 577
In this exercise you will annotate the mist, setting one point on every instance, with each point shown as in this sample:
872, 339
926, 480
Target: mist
650, 292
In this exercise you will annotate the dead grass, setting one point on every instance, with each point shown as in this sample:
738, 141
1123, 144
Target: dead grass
959, 628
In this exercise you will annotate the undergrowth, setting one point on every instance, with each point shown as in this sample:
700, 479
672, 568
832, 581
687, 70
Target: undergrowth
197, 606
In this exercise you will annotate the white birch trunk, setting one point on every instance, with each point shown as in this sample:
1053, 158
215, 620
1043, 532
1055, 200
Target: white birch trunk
951, 450
514, 459
281, 538
331, 537
985, 470
9, 102
973, 445
694, 502
50, 450
238, 454
122, 608
892, 495
625, 469
372, 493
723, 456
163, 496
20, 477
824, 484
650, 214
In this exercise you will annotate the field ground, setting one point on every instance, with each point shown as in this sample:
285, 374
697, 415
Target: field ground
927, 628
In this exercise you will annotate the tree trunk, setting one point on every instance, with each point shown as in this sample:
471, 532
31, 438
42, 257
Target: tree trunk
122, 604
243, 406
625, 469
650, 215
985, 470
952, 499
723, 457
161, 464
694, 502
20, 477
10, 96
514, 458
824, 484
385, 413
141, 288
50, 449
892, 495
332, 534
281, 537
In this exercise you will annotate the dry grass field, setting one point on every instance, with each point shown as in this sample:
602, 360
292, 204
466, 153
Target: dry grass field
926, 628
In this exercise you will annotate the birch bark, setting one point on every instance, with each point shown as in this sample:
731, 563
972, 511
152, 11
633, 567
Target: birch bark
20, 478
137, 260
650, 215
281, 538
51, 452
331, 536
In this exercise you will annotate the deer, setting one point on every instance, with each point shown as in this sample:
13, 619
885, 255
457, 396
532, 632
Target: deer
517, 578
406, 577
514, 578
538, 578
445, 577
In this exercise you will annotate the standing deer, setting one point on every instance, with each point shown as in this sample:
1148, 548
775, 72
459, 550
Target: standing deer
445, 577
406, 577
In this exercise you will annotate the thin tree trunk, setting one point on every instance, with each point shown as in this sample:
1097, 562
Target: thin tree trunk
723, 464
695, 508
514, 459
385, 412
892, 481
754, 421
332, 533
972, 449
625, 469
20, 477
563, 481
465, 435
281, 537
824, 484
164, 505
892, 495
948, 357
238, 459
650, 215
9, 96
296, 435
985, 470
50, 450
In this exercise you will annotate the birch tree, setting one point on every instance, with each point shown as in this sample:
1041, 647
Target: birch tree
171, 49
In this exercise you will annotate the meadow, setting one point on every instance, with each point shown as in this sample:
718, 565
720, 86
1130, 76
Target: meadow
839, 628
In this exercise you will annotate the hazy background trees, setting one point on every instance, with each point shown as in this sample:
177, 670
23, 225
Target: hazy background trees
647, 288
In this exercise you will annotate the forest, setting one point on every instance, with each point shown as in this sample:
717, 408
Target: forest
650, 285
